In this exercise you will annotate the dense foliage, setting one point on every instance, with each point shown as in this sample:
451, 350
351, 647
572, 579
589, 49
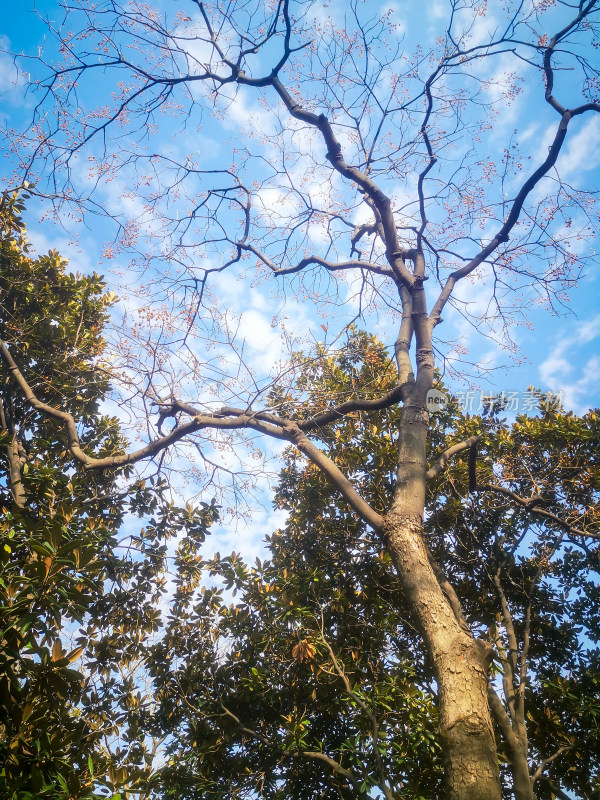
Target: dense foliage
77, 596
302, 657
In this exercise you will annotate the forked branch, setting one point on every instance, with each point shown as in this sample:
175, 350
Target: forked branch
225, 419
442, 462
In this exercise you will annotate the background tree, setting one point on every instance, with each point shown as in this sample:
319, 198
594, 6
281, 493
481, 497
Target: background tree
518, 546
63, 562
360, 119
57, 523
285, 687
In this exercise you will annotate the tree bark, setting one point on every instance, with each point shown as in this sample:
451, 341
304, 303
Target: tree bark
522, 784
517, 748
459, 659
16, 458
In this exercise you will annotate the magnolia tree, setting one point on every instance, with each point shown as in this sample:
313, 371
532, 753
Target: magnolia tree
363, 180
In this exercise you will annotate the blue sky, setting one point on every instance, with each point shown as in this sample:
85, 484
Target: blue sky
555, 352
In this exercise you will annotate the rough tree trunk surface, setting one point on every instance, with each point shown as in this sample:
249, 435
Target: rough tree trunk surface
459, 659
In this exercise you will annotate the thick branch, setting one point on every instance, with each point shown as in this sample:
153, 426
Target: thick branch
338, 479
334, 154
549, 52
503, 722
335, 414
331, 266
517, 749
442, 462
63, 416
16, 459
226, 419
515, 695
513, 649
258, 736
336, 767
403, 342
507, 673
554, 788
563, 749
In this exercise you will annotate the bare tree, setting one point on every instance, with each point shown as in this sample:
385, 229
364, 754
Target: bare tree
370, 163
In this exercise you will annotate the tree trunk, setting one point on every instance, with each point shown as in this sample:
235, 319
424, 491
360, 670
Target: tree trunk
15, 456
459, 659
522, 785
515, 736
519, 766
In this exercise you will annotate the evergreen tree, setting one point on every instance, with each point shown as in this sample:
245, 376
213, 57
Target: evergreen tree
310, 680
74, 603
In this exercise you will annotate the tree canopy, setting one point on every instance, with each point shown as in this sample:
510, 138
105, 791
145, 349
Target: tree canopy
312, 654
69, 586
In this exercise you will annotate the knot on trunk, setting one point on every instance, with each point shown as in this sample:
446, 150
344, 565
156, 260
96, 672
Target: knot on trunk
469, 725
425, 357
395, 521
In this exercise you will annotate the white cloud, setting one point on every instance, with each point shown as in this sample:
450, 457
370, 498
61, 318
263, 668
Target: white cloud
560, 367
436, 11
273, 204
240, 112
78, 254
582, 151
11, 78
588, 331
478, 28
529, 132
554, 369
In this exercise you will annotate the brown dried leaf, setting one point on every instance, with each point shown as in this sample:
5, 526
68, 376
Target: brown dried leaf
303, 651
57, 651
